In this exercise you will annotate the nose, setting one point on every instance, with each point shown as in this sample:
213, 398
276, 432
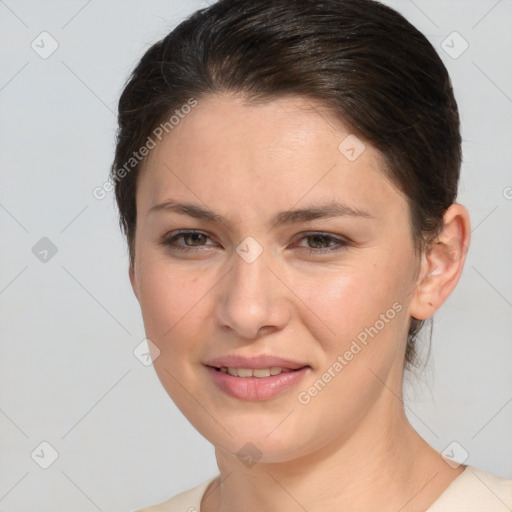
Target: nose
252, 300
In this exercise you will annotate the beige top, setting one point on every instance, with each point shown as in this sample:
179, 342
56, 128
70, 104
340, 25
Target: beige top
474, 490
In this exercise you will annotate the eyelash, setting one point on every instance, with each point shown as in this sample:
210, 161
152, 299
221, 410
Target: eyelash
170, 240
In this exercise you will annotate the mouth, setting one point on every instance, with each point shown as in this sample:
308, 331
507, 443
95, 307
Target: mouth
274, 364
255, 379
259, 373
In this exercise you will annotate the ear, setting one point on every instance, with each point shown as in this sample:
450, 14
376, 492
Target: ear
442, 265
133, 279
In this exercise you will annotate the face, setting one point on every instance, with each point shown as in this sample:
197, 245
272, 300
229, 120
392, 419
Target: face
274, 267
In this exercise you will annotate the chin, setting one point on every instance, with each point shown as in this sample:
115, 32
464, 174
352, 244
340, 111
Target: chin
258, 437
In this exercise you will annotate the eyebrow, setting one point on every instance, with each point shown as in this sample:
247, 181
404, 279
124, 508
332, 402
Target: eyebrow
316, 211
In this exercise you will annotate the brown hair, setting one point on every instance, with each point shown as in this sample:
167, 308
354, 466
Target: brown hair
362, 60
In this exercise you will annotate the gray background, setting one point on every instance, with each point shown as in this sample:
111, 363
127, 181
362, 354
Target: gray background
69, 325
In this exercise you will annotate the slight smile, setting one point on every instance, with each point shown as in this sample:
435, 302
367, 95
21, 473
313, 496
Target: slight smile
256, 378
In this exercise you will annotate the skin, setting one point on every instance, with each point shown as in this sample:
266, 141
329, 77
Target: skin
351, 446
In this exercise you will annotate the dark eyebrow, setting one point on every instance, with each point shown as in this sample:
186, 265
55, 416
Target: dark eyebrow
192, 210
331, 209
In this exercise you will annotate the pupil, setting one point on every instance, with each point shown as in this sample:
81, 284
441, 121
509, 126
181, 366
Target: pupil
195, 238
318, 240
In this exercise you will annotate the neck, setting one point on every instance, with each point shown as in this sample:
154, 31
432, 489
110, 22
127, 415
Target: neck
381, 464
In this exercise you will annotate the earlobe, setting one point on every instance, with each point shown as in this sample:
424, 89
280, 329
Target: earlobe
442, 264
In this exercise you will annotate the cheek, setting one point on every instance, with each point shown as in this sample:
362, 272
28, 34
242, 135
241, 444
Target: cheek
174, 308
168, 298
346, 300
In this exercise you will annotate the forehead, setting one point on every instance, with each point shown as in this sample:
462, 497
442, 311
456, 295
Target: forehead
266, 155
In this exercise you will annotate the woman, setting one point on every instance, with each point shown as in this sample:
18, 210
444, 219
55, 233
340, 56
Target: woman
286, 174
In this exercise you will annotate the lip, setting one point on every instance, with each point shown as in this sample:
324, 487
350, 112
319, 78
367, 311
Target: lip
255, 388
262, 361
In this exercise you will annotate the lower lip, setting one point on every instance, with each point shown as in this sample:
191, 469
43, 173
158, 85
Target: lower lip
256, 388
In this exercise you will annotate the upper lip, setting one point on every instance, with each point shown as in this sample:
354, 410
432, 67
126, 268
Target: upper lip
254, 362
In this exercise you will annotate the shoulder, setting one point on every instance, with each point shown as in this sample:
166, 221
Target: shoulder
186, 501
475, 490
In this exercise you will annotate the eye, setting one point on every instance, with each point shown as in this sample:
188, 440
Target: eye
319, 242
186, 240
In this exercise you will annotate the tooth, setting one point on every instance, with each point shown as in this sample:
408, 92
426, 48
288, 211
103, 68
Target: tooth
257, 372
261, 372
